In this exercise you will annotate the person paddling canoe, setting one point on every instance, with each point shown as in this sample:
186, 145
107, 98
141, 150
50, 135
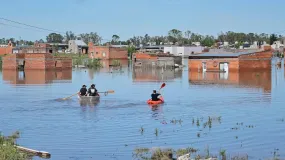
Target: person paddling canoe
83, 91
92, 91
154, 96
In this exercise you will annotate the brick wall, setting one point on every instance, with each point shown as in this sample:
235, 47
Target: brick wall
39, 61
256, 61
63, 63
212, 64
6, 50
144, 56
101, 52
118, 53
9, 62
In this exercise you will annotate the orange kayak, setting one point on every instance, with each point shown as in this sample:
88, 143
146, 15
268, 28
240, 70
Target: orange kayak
156, 102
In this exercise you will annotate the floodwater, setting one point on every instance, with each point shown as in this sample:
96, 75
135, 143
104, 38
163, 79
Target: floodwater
251, 107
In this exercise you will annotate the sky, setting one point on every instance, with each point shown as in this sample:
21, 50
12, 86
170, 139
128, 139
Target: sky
128, 18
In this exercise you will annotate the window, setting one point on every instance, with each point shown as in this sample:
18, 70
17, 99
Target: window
104, 54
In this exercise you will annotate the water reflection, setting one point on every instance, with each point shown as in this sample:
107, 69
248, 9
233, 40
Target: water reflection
84, 103
108, 68
153, 74
35, 77
254, 79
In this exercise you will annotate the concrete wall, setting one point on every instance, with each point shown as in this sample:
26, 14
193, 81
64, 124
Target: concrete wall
183, 51
72, 46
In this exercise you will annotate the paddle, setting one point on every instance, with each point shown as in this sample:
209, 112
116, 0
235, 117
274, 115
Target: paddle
110, 91
106, 92
69, 96
163, 85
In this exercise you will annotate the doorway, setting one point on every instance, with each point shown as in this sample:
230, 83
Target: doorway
224, 66
204, 66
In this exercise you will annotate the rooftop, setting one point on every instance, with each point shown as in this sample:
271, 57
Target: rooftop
80, 43
220, 55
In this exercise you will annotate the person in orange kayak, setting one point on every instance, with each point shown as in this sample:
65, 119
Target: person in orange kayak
92, 91
83, 91
154, 96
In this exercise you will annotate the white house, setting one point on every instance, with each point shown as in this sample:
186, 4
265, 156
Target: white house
277, 45
183, 51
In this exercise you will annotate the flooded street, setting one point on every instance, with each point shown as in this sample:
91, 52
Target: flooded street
249, 106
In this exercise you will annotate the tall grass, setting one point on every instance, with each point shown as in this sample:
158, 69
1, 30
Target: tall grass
7, 149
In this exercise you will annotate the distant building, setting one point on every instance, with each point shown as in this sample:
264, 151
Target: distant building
225, 62
196, 43
6, 48
277, 45
59, 47
77, 46
107, 52
156, 60
183, 51
36, 48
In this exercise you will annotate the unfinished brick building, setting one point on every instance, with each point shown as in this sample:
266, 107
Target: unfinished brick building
36, 61
6, 49
106, 52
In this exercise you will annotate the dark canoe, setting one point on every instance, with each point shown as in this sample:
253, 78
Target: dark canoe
89, 98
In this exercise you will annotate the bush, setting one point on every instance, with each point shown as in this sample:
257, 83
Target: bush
94, 63
116, 63
7, 149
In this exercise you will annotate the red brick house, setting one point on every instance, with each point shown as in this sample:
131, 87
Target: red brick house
6, 49
255, 60
107, 52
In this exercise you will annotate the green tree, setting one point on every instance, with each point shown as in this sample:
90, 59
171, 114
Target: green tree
115, 39
131, 50
174, 36
91, 37
54, 38
69, 36
272, 38
208, 41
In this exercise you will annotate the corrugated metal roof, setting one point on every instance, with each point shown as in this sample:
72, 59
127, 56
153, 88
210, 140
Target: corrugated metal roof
229, 54
80, 43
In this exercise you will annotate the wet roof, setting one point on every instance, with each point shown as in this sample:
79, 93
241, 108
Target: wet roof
221, 55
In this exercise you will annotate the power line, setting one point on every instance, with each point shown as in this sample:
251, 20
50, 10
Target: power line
21, 27
30, 25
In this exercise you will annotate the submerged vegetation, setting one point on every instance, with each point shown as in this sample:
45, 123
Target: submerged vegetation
94, 63
8, 151
81, 60
0, 62
185, 153
116, 63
